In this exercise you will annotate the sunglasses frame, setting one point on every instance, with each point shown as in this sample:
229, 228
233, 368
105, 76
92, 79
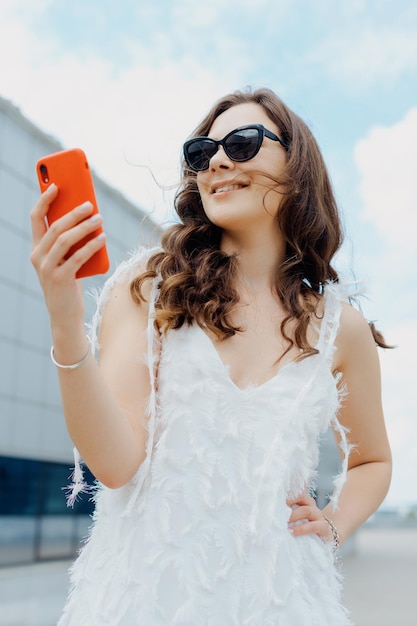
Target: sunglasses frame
262, 133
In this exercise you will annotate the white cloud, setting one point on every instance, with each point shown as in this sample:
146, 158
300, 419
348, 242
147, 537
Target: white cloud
387, 161
361, 56
206, 14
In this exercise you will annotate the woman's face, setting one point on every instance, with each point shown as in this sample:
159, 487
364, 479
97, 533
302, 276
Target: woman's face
238, 196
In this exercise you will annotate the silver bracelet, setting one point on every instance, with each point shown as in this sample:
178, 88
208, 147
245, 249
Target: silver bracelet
336, 538
74, 365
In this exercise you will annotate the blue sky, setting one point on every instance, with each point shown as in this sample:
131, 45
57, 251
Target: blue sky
128, 81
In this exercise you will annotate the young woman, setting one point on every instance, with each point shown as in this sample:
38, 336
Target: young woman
223, 356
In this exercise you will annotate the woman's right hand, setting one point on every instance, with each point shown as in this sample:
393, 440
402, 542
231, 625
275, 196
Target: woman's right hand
105, 405
56, 274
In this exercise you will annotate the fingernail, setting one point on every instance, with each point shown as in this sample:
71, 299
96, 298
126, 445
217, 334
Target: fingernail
95, 218
85, 207
51, 188
101, 236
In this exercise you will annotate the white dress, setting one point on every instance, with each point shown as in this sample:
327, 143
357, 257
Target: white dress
200, 536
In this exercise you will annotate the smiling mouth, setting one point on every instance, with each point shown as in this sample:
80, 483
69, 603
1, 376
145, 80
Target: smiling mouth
226, 188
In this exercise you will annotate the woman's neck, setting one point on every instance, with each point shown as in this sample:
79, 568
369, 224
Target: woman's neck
258, 258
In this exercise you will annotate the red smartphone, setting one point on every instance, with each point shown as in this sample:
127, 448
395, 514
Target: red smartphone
70, 171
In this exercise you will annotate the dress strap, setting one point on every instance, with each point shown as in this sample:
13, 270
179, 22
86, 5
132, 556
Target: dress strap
335, 294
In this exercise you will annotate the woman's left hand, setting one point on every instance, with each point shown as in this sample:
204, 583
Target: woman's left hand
306, 518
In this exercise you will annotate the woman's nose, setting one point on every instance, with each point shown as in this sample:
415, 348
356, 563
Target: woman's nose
220, 160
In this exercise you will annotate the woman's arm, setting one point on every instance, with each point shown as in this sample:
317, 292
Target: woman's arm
369, 468
104, 405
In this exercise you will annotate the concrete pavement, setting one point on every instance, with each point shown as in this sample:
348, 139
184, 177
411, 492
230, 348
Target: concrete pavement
381, 577
380, 584
33, 595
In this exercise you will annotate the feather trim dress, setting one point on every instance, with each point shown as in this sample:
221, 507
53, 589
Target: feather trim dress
199, 537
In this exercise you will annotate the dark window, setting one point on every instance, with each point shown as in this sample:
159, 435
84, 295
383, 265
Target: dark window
32, 487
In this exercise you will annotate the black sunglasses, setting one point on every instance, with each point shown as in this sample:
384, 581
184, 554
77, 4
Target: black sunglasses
241, 144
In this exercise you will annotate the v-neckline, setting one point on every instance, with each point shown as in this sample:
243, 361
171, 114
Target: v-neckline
226, 368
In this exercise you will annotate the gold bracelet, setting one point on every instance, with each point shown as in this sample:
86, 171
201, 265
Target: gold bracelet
74, 365
336, 538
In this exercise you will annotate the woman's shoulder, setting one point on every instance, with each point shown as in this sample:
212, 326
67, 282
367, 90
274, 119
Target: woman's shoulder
114, 302
134, 264
132, 267
341, 299
352, 320
354, 336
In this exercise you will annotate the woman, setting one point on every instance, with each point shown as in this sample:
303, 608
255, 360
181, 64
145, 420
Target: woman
206, 449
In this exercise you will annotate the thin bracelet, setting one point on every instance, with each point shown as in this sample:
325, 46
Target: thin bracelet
74, 365
336, 538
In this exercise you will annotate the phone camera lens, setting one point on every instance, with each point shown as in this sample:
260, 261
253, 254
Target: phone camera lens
44, 173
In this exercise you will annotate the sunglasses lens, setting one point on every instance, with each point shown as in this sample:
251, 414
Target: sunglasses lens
199, 152
243, 144
240, 145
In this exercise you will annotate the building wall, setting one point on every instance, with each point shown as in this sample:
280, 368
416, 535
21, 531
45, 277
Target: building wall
33, 437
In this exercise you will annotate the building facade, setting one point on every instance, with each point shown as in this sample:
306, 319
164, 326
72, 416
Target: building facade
35, 450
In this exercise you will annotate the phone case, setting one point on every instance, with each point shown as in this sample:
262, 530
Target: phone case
70, 171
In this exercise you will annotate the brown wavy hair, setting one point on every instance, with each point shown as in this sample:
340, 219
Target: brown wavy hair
196, 277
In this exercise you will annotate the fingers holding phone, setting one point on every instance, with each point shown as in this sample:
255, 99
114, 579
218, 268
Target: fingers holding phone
64, 209
67, 237
43, 238
71, 241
